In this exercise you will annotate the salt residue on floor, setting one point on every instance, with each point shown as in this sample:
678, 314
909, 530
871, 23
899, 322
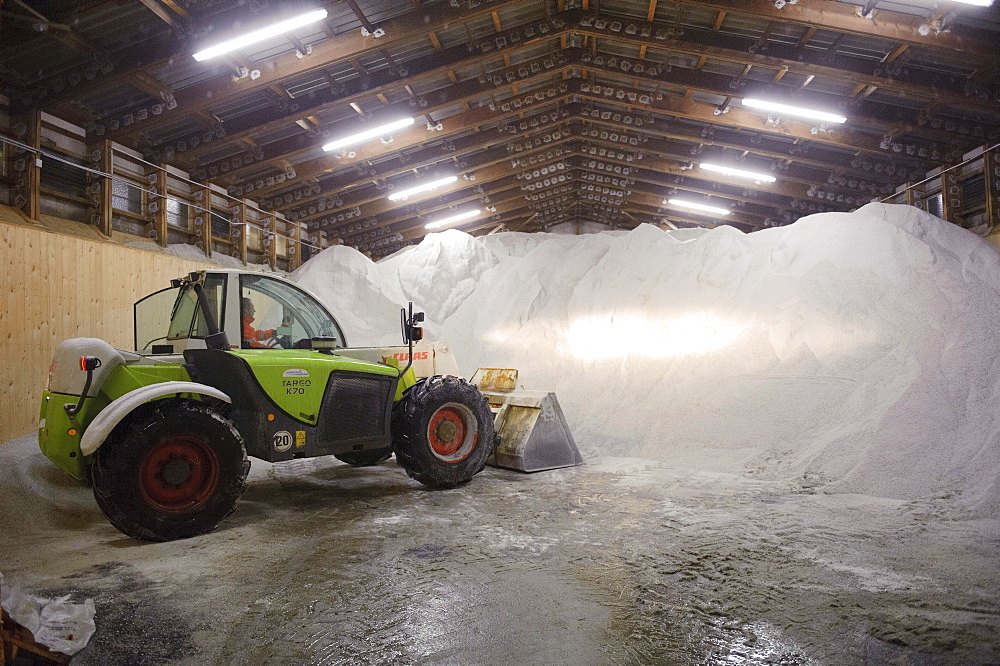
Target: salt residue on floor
854, 352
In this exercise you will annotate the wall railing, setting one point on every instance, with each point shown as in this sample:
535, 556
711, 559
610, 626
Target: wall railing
966, 194
50, 167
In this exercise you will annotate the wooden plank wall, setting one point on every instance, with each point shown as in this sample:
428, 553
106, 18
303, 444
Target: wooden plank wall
56, 287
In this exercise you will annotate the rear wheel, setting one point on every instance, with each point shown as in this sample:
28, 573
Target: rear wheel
442, 431
171, 470
364, 458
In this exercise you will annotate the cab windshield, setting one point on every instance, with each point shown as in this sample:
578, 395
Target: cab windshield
283, 316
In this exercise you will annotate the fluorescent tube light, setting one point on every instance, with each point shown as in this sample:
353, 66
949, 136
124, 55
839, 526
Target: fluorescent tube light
977, 3
793, 110
372, 133
425, 187
454, 218
697, 206
262, 34
740, 173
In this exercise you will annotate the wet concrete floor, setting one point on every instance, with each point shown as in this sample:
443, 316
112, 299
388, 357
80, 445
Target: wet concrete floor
624, 561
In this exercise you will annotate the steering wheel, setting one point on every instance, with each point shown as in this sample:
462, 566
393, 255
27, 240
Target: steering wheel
278, 341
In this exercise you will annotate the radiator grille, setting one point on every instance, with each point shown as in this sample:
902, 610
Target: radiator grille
355, 406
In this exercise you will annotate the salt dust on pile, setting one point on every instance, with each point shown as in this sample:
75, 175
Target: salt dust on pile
854, 350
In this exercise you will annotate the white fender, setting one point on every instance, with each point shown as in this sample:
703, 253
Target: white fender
110, 416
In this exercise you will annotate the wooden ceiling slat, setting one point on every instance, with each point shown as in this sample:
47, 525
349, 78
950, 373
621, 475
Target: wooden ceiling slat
842, 17
471, 151
458, 123
753, 120
378, 83
779, 56
213, 92
372, 202
810, 159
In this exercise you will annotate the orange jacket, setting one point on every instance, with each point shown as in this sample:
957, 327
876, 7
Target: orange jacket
252, 335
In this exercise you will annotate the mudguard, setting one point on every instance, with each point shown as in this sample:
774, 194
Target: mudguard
110, 416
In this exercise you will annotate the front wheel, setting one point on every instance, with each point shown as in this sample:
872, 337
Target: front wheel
171, 470
442, 431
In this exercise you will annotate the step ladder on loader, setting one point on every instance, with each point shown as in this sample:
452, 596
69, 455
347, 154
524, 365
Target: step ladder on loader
533, 432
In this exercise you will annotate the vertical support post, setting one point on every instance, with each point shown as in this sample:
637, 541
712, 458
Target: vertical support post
991, 177
157, 204
912, 195
322, 242
270, 240
951, 197
100, 188
238, 231
203, 218
295, 246
25, 165
317, 241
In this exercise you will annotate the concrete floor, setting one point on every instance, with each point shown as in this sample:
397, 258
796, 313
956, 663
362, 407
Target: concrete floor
624, 561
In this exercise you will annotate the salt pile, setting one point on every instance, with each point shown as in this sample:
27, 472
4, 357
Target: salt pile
856, 351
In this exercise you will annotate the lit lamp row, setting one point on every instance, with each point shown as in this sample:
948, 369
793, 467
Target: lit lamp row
375, 132
763, 105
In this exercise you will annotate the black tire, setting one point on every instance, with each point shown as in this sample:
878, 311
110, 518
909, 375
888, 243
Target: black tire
173, 469
364, 458
442, 431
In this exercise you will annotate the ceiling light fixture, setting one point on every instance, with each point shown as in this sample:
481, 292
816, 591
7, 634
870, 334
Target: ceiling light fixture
453, 219
739, 173
425, 187
977, 3
778, 107
269, 32
697, 206
372, 133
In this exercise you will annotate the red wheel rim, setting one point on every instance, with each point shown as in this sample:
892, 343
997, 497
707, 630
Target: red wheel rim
179, 474
452, 432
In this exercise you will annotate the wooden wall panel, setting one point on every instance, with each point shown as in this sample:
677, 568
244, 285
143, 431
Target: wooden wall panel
56, 287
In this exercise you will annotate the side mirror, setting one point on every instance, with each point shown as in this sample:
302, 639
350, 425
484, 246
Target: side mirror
408, 323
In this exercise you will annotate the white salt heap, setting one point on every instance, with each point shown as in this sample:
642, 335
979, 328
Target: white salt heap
857, 351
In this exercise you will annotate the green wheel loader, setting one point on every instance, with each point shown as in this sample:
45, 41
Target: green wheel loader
231, 364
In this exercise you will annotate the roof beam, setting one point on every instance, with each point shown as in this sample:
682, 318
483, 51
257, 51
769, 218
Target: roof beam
752, 120
466, 91
786, 57
338, 95
333, 188
372, 202
404, 139
160, 11
216, 91
652, 170
734, 139
480, 166
842, 17
70, 38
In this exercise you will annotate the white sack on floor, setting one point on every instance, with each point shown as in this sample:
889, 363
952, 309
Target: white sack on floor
852, 351
58, 624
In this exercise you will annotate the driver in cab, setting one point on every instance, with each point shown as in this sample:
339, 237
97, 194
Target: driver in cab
253, 337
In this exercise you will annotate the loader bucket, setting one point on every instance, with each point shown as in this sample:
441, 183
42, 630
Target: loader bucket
531, 426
